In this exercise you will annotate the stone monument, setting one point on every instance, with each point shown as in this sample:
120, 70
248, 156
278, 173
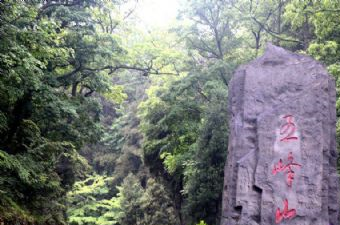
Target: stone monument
282, 156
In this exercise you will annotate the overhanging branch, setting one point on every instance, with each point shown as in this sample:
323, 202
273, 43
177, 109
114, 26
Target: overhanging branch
145, 71
273, 33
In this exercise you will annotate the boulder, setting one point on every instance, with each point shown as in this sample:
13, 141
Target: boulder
282, 157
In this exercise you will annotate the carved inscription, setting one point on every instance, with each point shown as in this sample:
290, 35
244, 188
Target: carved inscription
286, 213
288, 166
281, 167
288, 129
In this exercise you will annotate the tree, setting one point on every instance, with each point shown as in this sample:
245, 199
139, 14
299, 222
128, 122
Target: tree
204, 170
182, 119
130, 194
90, 202
156, 205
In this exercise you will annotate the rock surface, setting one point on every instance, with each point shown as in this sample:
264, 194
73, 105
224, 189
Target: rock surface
282, 157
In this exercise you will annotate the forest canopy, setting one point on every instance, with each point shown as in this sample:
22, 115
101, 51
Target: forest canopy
105, 121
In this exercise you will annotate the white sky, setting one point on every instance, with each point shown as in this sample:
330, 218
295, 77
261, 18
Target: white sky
157, 13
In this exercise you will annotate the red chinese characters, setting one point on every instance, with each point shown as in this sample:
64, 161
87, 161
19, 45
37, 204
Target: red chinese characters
287, 130
285, 213
287, 134
288, 168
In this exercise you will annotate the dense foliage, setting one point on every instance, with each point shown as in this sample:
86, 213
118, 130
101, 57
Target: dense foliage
57, 63
102, 122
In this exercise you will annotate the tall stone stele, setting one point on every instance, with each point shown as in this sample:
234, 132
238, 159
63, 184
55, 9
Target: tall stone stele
282, 157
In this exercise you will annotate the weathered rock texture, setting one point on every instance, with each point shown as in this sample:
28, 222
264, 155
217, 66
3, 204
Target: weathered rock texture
282, 156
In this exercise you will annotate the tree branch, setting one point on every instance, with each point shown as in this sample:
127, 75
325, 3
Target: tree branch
323, 10
67, 4
70, 74
200, 91
145, 71
90, 92
273, 33
48, 5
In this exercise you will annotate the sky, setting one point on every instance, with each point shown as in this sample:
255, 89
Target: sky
157, 13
